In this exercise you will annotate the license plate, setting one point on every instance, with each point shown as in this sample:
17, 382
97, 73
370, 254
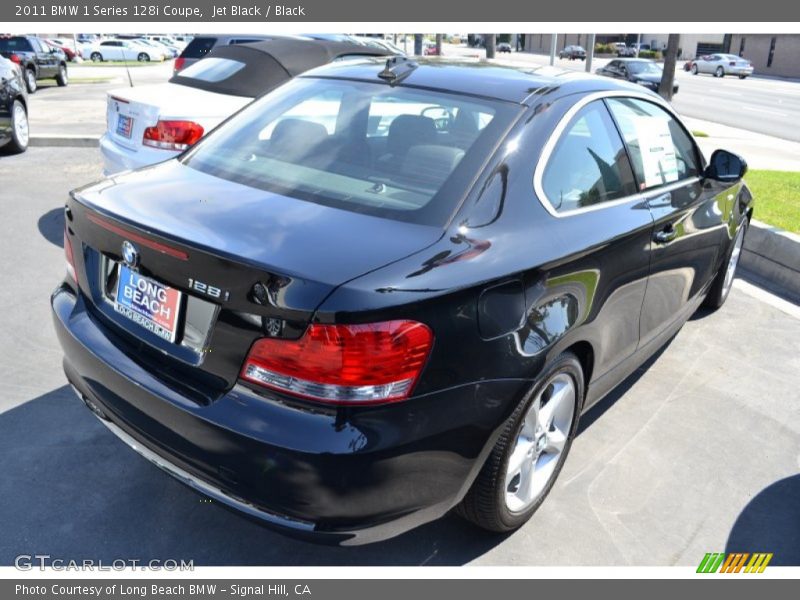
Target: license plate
148, 303
124, 126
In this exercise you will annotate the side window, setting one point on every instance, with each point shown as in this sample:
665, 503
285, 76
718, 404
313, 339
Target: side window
588, 164
661, 151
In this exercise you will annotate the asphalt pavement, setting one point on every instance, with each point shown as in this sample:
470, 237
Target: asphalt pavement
699, 451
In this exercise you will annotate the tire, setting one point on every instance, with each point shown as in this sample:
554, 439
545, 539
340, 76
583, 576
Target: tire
487, 503
30, 81
721, 287
695, 70
62, 79
96, 57
742, 76
720, 72
19, 129
143, 57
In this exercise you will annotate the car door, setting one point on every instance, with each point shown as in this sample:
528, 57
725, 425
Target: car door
612, 69
587, 182
689, 216
46, 61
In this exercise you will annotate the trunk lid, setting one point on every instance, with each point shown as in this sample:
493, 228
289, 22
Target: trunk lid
129, 111
190, 228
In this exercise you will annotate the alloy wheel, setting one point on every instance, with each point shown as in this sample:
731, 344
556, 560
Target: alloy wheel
540, 443
20, 120
733, 261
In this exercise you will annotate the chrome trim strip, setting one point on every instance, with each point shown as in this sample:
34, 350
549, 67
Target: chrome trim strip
198, 484
544, 157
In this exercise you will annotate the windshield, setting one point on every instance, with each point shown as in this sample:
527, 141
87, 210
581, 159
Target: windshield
395, 152
644, 67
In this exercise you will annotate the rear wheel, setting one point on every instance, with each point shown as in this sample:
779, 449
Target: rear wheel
530, 452
723, 282
143, 57
62, 78
96, 57
20, 133
742, 76
720, 72
30, 81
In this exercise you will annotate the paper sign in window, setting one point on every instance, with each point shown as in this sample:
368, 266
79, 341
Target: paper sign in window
658, 152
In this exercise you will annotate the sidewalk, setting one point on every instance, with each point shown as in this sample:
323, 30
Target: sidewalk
759, 150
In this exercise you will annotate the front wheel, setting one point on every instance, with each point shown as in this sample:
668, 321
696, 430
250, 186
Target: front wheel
62, 78
96, 57
742, 76
143, 57
30, 81
723, 282
20, 133
531, 450
695, 70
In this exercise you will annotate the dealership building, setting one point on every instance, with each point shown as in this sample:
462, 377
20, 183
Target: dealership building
771, 54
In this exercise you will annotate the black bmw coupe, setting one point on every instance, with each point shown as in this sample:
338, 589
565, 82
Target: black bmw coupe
387, 290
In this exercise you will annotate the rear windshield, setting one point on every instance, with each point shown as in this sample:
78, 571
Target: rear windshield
394, 152
213, 69
199, 47
15, 44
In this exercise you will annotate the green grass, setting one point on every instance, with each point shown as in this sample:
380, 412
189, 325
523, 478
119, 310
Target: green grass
90, 79
777, 196
698, 133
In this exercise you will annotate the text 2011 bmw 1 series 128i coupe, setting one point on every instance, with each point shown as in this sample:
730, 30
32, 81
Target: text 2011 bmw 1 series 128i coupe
389, 290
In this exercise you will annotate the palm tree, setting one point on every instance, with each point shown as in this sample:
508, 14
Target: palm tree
670, 58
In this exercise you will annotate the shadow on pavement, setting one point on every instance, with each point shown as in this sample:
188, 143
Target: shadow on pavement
771, 523
72, 490
51, 226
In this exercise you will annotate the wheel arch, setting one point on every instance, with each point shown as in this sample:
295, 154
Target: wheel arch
584, 351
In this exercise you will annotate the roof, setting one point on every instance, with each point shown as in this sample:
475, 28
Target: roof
270, 63
477, 78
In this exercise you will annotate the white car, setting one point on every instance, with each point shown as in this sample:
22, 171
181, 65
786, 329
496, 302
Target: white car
152, 123
720, 65
122, 50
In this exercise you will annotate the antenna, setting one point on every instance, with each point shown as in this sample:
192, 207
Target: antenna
127, 68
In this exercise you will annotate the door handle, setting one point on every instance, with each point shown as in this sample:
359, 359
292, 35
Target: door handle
666, 235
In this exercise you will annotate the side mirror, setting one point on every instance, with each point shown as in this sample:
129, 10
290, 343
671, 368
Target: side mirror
725, 166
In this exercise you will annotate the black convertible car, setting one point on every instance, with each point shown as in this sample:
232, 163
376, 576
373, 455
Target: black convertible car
390, 289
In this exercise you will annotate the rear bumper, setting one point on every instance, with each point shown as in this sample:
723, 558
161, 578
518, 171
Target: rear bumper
739, 70
336, 476
117, 158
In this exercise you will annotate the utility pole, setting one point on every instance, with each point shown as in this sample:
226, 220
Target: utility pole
438, 44
670, 58
553, 43
491, 40
417, 44
590, 53
638, 44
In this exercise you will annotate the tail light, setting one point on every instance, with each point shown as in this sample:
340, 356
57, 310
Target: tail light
344, 364
178, 64
70, 257
172, 135
15, 58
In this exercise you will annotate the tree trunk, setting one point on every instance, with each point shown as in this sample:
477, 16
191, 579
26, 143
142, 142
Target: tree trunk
490, 38
417, 44
438, 44
670, 58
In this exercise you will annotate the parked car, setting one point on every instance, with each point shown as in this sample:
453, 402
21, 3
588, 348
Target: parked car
381, 44
573, 53
504, 47
121, 49
167, 53
35, 58
645, 72
14, 129
622, 49
429, 49
69, 52
151, 123
373, 295
720, 65
201, 45
169, 41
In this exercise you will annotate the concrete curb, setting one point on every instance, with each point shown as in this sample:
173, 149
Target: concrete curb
65, 141
772, 257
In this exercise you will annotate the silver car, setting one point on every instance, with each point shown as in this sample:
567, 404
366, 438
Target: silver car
720, 65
